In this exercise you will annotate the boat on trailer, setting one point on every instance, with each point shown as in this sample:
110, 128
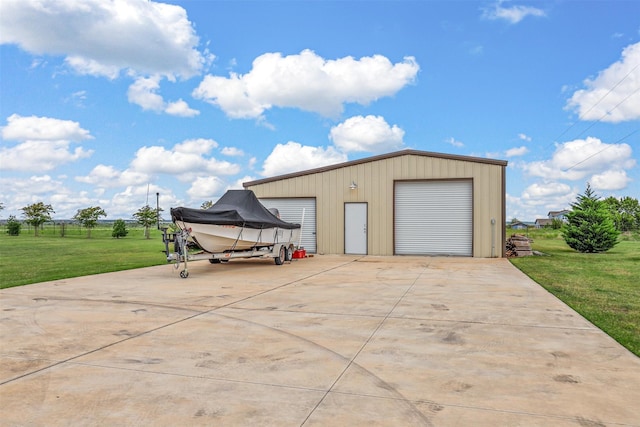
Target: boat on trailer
236, 226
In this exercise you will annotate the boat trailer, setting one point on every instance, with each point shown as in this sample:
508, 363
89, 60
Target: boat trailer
180, 256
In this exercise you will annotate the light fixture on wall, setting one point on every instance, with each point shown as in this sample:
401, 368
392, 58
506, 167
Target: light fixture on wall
353, 185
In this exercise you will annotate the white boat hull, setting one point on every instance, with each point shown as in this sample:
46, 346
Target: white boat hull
215, 238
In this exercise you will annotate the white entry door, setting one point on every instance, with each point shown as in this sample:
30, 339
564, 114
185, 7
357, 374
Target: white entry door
355, 228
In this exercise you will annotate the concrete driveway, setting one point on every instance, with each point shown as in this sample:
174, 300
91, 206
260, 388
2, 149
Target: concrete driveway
322, 341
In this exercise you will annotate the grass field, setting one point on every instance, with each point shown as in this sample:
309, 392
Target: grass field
604, 288
28, 259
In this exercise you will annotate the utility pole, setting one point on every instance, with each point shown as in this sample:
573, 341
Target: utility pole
158, 209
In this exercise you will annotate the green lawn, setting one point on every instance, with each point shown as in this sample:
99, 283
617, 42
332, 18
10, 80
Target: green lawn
28, 259
604, 288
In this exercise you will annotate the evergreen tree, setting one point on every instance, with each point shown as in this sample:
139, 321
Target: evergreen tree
119, 229
589, 227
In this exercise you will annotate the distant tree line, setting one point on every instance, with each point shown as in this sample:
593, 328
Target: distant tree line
625, 213
37, 214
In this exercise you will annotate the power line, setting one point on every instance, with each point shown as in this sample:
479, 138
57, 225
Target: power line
604, 149
581, 116
609, 112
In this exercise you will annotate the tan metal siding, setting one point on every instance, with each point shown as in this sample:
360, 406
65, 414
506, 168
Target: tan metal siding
375, 180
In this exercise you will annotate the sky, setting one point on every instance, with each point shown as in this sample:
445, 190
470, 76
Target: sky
108, 102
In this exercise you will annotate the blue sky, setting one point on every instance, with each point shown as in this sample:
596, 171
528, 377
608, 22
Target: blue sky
105, 103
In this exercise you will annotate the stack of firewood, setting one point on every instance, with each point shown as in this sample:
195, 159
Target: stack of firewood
518, 245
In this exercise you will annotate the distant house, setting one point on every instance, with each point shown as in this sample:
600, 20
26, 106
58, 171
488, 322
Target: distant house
519, 225
561, 215
543, 222
551, 216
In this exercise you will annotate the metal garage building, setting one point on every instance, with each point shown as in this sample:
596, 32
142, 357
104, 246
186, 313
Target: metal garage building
403, 203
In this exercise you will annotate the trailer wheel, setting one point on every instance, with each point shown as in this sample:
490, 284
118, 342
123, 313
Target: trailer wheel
289, 253
281, 256
184, 274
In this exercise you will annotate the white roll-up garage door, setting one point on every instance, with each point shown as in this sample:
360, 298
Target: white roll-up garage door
434, 218
291, 211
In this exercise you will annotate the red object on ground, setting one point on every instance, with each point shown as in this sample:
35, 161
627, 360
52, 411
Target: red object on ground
299, 253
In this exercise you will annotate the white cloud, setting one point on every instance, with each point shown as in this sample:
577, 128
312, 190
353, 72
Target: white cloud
40, 155
541, 192
306, 81
293, 157
185, 160
206, 188
188, 161
46, 143
36, 62
614, 95
524, 137
77, 98
454, 142
34, 128
92, 67
371, 134
231, 95
512, 14
66, 202
180, 108
516, 151
582, 158
144, 92
34, 185
102, 37
103, 176
610, 180
196, 146
232, 151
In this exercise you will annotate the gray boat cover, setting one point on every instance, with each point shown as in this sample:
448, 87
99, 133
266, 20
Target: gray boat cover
236, 207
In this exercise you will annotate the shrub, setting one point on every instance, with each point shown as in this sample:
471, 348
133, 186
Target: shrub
13, 226
119, 229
